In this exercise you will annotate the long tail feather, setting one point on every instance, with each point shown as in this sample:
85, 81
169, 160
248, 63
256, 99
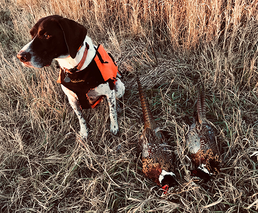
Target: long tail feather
148, 119
201, 108
203, 104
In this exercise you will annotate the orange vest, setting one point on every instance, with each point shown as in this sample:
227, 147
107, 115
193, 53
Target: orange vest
106, 64
100, 70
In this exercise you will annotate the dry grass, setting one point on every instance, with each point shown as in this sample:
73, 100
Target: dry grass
172, 45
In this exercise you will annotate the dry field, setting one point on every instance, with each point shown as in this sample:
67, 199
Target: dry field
172, 45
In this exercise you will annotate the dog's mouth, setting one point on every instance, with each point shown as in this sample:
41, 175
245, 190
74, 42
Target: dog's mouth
28, 64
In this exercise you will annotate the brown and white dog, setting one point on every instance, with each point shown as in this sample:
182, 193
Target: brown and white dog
62, 39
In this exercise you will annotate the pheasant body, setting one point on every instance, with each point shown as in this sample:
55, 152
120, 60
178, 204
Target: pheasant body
156, 158
201, 143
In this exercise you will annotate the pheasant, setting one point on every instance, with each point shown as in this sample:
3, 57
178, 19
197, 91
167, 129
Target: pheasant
201, 143
156, 158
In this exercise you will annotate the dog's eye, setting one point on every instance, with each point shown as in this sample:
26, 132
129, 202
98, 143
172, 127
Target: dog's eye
46, 36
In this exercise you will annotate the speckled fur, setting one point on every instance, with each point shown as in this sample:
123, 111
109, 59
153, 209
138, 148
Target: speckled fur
94, 94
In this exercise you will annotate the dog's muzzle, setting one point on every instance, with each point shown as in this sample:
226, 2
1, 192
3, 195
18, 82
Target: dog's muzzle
24, 56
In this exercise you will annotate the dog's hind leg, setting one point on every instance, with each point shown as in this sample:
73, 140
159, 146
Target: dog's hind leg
120, 91
73, 100
111, 98
120, 88
104, 89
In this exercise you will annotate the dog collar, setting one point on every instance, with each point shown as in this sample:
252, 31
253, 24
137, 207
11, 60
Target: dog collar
79, 66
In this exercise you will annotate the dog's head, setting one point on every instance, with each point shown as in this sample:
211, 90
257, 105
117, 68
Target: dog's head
52, 37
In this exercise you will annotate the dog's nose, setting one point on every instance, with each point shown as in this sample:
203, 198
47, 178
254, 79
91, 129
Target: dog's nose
24, 56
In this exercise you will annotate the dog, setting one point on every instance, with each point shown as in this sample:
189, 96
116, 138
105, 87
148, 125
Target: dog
87, 72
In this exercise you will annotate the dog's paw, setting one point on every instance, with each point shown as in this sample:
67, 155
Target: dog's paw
114, 129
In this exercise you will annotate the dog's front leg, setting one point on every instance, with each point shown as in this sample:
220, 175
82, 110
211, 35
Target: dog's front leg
73, 100
111, 98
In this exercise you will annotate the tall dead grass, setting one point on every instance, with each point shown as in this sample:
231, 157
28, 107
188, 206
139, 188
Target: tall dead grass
172, 45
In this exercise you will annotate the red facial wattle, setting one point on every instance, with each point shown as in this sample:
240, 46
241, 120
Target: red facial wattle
165, 188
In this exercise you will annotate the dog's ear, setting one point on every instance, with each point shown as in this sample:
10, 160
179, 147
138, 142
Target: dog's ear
34, 29
74, 34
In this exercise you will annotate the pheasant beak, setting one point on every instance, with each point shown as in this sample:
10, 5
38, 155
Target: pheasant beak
165, 188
